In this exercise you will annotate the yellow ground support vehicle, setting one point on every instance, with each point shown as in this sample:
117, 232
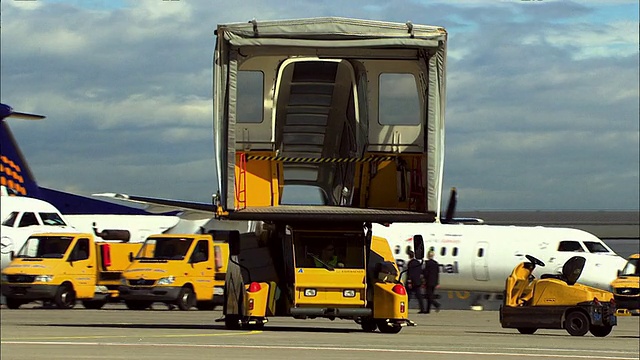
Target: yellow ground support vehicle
626, 288
556, 301
358, 282
65, 267
182, 269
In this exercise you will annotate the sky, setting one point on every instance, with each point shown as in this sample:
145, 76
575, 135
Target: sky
542, 105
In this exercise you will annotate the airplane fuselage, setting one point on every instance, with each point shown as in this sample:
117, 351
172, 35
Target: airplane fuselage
481, 257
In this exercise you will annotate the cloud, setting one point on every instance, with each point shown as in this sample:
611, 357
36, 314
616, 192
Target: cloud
542, 96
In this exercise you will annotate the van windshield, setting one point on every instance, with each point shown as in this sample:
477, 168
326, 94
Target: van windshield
164, 249
632, 268
52, 247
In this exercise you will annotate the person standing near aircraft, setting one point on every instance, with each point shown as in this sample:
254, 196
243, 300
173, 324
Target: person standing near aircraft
431, 276
414, 281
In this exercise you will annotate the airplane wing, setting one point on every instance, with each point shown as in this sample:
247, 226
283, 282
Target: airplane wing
186, 209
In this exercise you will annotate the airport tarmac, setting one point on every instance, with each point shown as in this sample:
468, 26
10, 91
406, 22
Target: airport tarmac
117, 333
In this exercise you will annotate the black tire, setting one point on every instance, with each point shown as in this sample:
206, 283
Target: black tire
13, 303
186, 299
93, 304
527, 331
205, 305
386, 329
576, 323
137, 304
232, 322
600, 331
368, 324
65, 297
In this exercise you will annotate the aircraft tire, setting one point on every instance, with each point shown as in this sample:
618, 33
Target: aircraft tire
93, 304
185, 299
576, 323
13, 303
527, 331
600, 331
65, 297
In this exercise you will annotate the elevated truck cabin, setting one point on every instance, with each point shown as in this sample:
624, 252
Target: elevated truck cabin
322, 127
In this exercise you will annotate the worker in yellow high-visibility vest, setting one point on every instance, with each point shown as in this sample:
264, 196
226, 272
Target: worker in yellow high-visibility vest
328, 257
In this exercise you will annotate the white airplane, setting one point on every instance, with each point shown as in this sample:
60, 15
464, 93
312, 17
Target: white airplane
481, 257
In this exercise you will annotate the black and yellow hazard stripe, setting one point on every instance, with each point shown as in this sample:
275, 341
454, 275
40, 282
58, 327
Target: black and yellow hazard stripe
288, 159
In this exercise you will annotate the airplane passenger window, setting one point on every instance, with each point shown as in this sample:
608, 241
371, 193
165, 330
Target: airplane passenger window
480, 252
443, 251
11, 219
28, 219
396, 250
595, 247
455, 251
570, 246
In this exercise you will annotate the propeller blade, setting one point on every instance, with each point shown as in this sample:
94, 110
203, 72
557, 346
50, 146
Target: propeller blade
451, 209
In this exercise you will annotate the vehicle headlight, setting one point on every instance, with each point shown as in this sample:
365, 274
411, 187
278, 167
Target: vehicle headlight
166, 280
4, 278
310, 292
349, 293
43, 278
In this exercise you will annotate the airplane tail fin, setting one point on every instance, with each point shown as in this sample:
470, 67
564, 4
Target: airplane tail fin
16, 177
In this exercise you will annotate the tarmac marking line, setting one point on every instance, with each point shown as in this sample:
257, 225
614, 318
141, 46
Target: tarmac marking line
316, 348
126, 336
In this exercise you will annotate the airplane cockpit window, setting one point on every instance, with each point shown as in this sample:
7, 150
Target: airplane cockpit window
51, 219
595, 247
570, 246
11, 219
28, 219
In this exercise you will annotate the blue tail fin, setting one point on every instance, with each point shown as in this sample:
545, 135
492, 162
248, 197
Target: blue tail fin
17, 178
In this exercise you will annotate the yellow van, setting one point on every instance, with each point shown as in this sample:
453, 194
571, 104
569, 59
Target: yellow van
626, 288
182, 269
65, 267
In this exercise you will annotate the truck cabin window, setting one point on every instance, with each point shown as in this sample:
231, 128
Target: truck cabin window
632, 268
52, 247
321, 251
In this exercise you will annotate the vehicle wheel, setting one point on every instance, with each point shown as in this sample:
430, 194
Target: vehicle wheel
576, 323
527, 331
232, 322
386, 329
65, 297
185, 298
205, 305
93, 304
14, 303
368, 324
137, 304
601, 331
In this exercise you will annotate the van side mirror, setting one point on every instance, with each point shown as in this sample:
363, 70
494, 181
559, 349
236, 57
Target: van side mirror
418, 246
619, 271
234, 242
12, 255
130, 257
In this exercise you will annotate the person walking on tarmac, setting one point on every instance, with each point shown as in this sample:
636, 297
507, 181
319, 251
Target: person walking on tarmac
414, 280
431, 277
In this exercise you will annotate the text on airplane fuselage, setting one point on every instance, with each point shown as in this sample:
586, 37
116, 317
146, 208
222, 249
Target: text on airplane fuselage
444, 268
